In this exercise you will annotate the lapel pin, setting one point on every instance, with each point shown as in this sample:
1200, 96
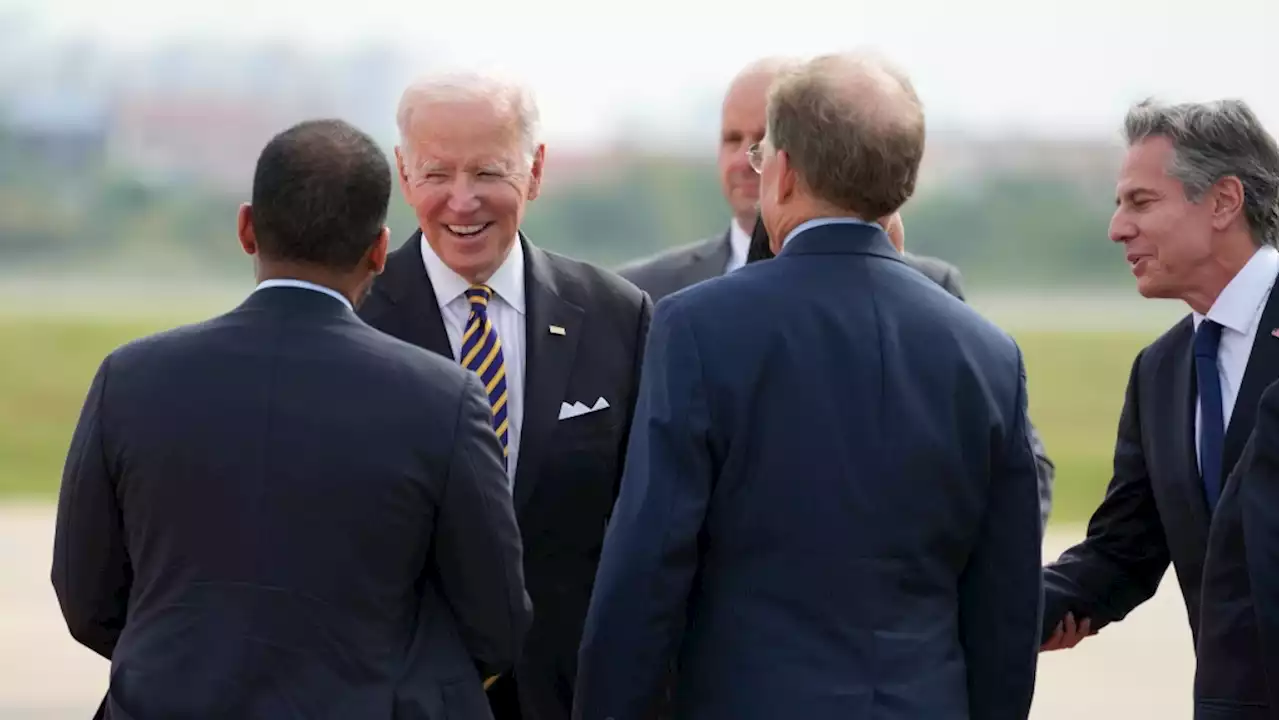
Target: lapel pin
556, 330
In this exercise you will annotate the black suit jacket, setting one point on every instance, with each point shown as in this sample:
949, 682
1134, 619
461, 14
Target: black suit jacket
1154, 510
569, 470
1236, 651
282, 513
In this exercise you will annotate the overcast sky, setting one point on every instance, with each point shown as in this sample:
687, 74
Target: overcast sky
991, 65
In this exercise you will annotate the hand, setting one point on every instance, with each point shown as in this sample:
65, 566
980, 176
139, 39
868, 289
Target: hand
490, 680
1068, 634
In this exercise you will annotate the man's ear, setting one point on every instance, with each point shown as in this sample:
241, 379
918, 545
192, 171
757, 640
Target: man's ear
244, 229
785, 188
402, 174
1227, 198
377, 256
535, 171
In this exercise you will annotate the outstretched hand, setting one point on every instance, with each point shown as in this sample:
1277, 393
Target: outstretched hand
1068, 634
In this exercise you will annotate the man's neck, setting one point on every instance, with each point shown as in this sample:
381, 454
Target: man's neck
340, 283
1215, 275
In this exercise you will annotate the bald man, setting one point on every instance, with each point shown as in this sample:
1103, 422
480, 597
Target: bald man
829, 506
741, 125
948, 277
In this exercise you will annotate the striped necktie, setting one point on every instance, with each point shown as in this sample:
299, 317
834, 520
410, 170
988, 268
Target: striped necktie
482, 354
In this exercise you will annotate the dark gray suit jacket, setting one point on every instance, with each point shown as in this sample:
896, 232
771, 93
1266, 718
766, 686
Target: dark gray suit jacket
284, 513
678, 268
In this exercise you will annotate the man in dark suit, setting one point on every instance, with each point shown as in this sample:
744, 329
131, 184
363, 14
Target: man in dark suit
830, 505
1236, 652
947, 276
741, 125
557, 342
281, 512
1196, 215
742, 121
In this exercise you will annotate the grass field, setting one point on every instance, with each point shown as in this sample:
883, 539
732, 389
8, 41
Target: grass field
1076, 382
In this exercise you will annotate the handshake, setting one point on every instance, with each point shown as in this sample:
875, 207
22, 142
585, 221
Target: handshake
1068, 634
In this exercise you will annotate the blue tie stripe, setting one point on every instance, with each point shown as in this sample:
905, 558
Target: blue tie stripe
1209, 389
482, 354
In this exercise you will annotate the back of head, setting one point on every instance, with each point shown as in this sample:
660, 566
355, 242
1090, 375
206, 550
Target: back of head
320, 195
1212, 141
853, 130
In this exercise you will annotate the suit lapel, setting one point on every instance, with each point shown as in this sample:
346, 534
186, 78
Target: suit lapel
1182, 422
410, 288
709, 263
1258, 374
548, 363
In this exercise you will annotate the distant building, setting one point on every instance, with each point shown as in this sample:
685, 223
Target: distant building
65, 132
208, 138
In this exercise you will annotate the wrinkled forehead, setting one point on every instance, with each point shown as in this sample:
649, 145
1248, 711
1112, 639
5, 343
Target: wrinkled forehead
462, 133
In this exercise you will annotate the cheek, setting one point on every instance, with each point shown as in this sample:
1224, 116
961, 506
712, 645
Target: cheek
426, 200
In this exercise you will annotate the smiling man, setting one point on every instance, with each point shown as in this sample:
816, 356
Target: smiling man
1196, 214
556, 342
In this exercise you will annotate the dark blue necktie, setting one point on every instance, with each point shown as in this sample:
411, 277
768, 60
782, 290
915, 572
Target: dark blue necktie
1211, 425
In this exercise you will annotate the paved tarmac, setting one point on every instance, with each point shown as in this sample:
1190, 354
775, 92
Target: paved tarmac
1141, 668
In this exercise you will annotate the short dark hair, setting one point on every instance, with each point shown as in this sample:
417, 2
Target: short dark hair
320, 194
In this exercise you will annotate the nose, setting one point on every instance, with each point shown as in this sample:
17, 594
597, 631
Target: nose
1122, 229
462, 197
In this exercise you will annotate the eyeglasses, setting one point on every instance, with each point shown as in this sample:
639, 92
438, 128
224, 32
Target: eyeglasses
755, 156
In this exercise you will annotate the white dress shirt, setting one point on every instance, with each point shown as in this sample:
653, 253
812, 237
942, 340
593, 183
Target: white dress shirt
1238, 310
287, 282
739, 243
506, 313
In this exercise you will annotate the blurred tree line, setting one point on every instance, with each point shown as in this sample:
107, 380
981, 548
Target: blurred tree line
1011, 229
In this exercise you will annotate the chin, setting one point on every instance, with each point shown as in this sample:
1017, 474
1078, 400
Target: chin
1152, 289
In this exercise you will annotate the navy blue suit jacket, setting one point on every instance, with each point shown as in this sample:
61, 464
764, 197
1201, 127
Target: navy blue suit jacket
283, 513
829, 508
1237, 645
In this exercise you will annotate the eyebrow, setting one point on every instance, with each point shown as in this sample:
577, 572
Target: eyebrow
490, 165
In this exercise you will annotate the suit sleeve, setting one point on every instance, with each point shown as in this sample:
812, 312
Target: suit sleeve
477, 548
92, 575
1000, 587
952, 284
1119, 564
642, 336
1044, 472
651, 547
1259, 496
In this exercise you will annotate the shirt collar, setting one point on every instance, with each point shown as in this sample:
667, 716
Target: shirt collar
507, 282
1239, 304
739, 243
289, 282
818, 222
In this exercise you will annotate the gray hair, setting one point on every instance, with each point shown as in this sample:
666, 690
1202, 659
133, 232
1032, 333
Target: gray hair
507, 97
1212, 141
853, 129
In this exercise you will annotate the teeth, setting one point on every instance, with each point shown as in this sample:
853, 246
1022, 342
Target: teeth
465, 229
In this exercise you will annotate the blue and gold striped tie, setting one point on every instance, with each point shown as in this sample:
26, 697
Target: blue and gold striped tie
482, 354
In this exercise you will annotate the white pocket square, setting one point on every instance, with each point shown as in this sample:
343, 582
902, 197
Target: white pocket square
571, 411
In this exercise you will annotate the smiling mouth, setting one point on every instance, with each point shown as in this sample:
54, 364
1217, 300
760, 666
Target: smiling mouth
467, 231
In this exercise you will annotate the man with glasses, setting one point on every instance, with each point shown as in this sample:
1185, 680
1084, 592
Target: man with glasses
946, 276
829, 507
